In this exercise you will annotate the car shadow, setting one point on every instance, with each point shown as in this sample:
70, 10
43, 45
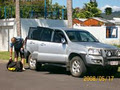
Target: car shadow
52, 69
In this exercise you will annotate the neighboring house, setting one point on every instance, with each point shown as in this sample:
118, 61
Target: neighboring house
117, 21
93, 22
77, 22
111, 29
89, 22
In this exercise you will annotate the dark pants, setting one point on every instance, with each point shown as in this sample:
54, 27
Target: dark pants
17, 52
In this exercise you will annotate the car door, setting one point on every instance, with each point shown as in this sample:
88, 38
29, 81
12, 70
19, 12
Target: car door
53, 51
33, 39
58, 49
44, 45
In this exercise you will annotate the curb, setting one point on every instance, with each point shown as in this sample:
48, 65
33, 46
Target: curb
3, 61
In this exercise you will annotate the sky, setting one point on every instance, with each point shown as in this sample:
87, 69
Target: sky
102, 4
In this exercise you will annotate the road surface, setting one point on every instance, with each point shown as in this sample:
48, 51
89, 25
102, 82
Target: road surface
50, 78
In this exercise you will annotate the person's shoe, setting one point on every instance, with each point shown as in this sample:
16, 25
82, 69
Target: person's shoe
23, 69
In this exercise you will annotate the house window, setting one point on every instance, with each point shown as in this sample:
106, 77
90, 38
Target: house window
111, 32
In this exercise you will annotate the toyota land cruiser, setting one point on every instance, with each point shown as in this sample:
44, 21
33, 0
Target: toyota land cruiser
74, 48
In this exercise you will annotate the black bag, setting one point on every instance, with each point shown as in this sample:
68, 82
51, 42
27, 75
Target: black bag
14, 66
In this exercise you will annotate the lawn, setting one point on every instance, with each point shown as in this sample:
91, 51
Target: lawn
4, 56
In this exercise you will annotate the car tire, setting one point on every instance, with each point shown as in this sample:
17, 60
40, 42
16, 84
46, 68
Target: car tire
33, 64
77, 67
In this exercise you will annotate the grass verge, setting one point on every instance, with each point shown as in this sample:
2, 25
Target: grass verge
4, 56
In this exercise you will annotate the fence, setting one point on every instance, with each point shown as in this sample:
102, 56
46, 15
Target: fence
33, 11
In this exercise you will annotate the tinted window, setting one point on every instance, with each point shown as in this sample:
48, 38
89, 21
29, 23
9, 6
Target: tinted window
34, 33
57, 36
46, 34
31, 29
81, 36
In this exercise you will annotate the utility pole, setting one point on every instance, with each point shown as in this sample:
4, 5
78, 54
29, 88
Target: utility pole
18, 23
69, 13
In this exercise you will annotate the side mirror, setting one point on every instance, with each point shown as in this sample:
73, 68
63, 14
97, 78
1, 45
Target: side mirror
63, 41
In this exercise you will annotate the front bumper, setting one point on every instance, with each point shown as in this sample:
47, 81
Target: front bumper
115, 60
102, 61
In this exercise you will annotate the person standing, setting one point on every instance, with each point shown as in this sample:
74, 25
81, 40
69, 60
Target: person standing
18, 44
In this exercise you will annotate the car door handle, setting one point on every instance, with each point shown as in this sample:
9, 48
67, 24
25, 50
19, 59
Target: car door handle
32, 43
42, 44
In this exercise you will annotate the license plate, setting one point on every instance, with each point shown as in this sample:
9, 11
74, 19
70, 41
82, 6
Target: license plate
113, 62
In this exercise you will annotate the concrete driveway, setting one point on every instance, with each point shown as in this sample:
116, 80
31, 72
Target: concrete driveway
50, 78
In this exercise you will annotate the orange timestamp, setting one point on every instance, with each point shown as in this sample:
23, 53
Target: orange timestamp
98, 78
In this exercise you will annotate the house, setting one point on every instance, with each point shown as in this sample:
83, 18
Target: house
77, 22
117, 21
94, 22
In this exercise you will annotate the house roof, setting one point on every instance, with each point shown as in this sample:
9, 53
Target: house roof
82, 19
116, 19
100, 19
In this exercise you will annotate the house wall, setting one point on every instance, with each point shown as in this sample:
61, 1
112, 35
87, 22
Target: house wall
7, 31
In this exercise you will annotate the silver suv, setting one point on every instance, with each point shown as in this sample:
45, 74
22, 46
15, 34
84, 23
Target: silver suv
76, 49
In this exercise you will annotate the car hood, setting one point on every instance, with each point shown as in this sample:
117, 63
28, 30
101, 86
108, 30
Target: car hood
96, 45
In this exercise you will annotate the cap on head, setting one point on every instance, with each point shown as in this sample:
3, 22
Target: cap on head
13, 40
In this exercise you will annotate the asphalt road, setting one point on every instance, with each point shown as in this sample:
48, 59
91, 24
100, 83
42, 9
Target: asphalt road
50, 78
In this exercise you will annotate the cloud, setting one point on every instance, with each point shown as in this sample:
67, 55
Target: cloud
114, 8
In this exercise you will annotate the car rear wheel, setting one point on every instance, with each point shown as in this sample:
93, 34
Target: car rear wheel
33, 64
77, 67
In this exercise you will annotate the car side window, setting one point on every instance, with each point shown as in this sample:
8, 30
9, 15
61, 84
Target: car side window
46, 34
34, 33
58, 35
31, 30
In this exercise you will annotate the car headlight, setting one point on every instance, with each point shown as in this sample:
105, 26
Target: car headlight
118, 53
94, 52
109, 54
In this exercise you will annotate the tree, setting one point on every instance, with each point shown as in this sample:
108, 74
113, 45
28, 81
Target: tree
69, 13
18, 18
108, 10
32, 9
89, 10
77, 13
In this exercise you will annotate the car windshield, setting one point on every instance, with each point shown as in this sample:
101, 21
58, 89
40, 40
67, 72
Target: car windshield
81, 36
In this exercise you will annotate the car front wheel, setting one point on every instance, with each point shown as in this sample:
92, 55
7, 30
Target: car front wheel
77, 67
